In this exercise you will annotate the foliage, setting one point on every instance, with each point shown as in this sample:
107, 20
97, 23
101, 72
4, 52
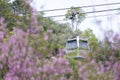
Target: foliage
7, 13
16, 13
93, 41
57, 33
76, 15
21, 7
21, 59
23, 56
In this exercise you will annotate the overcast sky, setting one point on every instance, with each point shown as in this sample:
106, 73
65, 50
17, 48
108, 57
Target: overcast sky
104, 22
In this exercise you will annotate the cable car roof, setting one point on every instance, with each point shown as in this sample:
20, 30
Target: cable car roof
80, 38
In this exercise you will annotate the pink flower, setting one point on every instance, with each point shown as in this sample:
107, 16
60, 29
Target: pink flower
69, 70
28, 1
34, 21
46, 37
116, 69
1, 36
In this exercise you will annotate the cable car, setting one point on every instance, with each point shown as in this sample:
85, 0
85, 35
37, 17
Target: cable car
77, 47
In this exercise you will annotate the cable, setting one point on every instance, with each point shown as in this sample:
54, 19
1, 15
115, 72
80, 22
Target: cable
85, 12
80, 7
102, 15
96, 16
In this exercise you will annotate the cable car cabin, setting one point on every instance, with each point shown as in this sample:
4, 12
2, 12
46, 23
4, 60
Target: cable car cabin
77, 47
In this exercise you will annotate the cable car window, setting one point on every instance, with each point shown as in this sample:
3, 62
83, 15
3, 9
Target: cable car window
71, 44
83, 44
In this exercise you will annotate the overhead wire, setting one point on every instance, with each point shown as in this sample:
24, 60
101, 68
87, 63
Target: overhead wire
85, 12
96, 16
80, 7
102, 15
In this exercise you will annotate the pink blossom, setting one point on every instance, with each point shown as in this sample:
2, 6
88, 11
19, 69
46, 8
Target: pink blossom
28, 1
34, 21
46, 37
1, 36
116, 68
69, 70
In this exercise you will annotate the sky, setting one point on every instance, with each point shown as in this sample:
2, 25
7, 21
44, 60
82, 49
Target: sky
103, 22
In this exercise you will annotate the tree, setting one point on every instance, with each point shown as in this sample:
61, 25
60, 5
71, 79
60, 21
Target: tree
58, 33
76, 15
22, 56
16, 13
7, 13
21, 7
24, 11
93, 41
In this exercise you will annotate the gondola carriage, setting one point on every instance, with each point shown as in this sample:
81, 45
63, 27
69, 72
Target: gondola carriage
77, 47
